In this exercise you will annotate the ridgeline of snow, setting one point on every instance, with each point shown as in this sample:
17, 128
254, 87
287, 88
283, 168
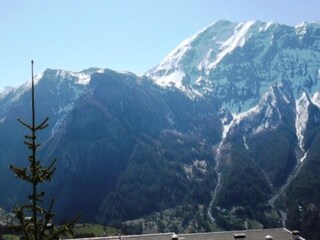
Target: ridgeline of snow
69, 86
267, 112
5, 91
238, 62
240, 35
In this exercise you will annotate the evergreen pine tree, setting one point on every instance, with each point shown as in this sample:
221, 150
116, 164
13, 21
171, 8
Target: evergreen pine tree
36, 222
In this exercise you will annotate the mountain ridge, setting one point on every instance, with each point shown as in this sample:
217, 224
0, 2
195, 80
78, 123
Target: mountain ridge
195, 70
240, 142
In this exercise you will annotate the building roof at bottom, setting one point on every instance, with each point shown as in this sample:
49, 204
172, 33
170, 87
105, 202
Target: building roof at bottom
257, 234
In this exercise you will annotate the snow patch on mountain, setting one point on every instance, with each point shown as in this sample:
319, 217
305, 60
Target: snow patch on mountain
172, 80
302, 114
245, 142
238, 39
69, 86
62, 113
249, 117
266, 26
301, 29
5, 91
265, 116
82, 78
76, 84
303, 157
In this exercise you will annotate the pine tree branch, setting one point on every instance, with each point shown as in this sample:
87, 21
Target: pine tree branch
25, 124
30, 145
66, 228
49, 171
52, 164
48, 218
42, 125
30, 137
21, 173
37, 197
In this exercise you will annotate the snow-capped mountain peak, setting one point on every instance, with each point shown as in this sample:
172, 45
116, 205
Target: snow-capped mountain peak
4, 91
238, 62
192, 53
301, 28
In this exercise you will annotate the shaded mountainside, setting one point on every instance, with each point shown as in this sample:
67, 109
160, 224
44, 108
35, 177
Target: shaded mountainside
226, 127
125, 141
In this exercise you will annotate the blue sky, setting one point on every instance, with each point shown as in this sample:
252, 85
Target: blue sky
132, 35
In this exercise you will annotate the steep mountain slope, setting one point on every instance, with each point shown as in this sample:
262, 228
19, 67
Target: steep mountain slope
111, 131
229, 122
302, 195
56, 92
260, 156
